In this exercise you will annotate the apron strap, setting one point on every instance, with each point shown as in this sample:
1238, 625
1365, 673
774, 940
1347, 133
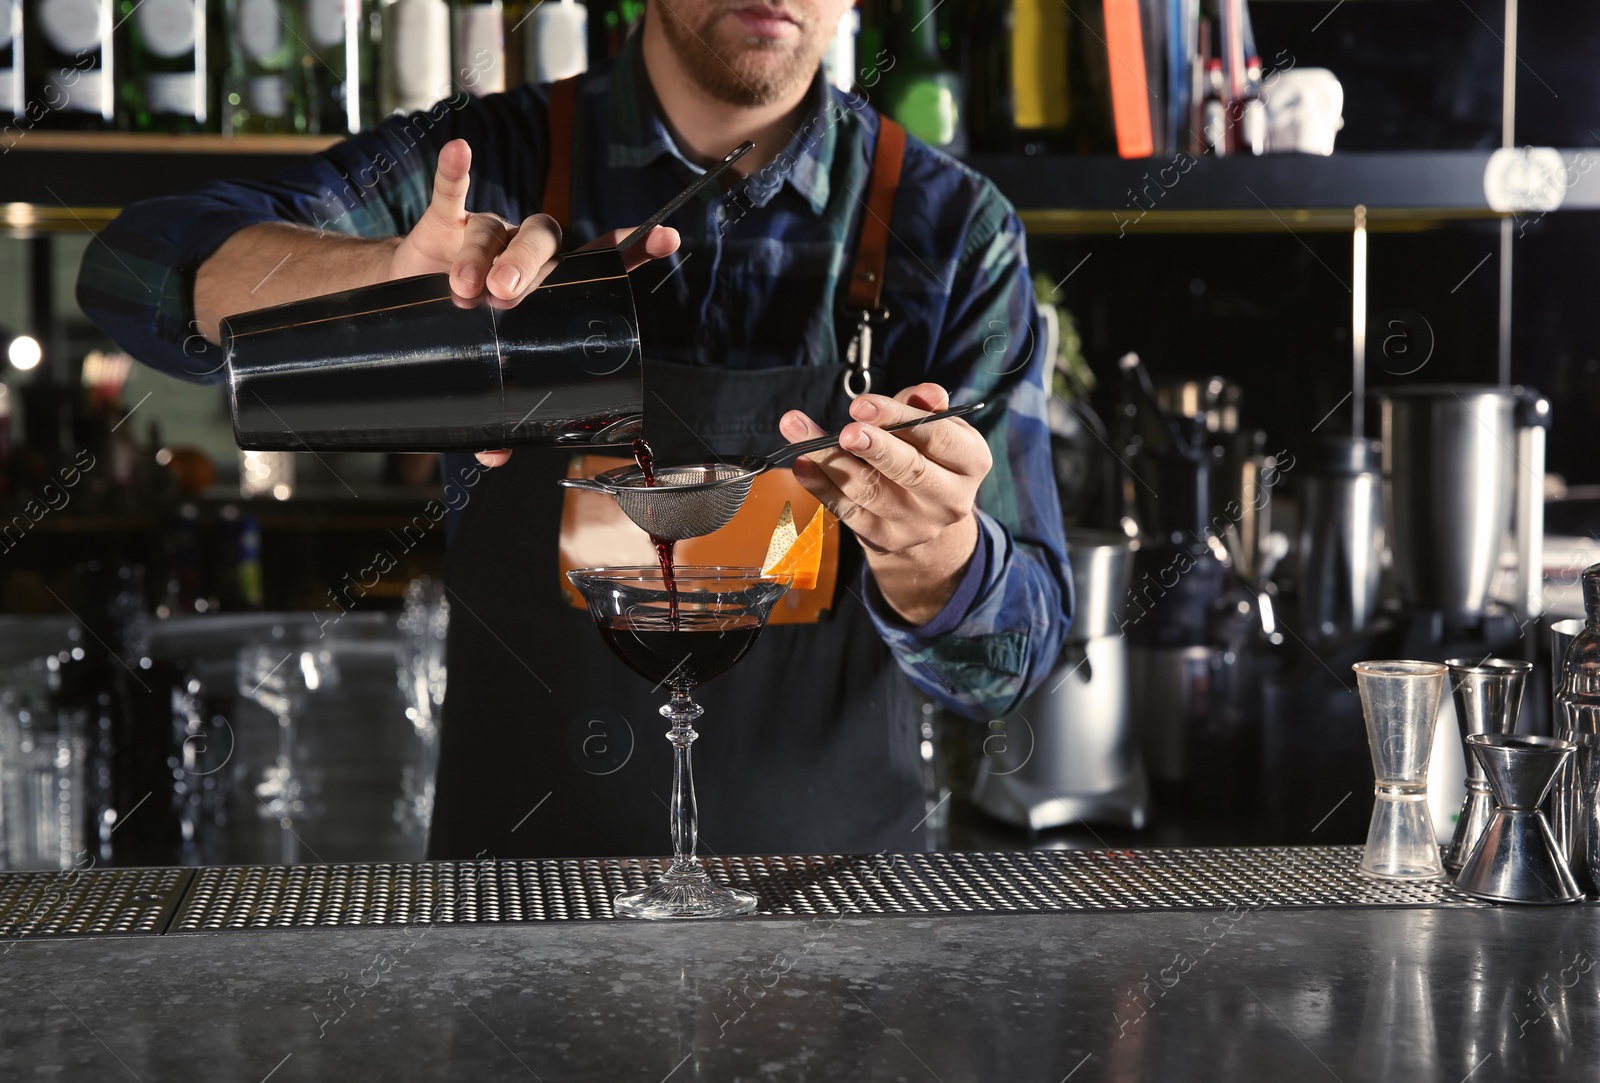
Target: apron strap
872, 250
558, 175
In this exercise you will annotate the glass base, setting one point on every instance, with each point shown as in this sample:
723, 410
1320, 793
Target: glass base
1401, 844
685, 893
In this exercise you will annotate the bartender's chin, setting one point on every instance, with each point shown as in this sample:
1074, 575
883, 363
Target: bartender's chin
737, 68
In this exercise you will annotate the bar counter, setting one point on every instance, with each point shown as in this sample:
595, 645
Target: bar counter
1247, 963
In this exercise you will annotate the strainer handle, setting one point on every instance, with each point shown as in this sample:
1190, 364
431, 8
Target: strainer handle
821, 443
586, 485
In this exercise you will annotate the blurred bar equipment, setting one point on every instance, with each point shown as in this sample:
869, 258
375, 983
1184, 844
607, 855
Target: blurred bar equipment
1068, 754
1341, 537
1452, 482
1487, 695
1576, 828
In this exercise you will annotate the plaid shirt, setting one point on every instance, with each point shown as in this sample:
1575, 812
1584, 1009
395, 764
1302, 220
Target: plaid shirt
756, 284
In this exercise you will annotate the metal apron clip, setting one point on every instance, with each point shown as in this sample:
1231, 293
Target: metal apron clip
858, 355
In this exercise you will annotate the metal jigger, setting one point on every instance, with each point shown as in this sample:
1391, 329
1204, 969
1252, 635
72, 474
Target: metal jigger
1488, 695
1516, 858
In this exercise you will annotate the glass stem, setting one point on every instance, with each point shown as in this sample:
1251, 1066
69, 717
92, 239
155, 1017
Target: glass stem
681, 711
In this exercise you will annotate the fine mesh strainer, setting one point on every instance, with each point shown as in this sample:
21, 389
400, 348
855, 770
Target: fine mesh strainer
697, 499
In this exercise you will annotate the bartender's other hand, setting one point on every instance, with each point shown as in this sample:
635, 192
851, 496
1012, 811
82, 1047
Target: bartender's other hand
485, 251
909, 496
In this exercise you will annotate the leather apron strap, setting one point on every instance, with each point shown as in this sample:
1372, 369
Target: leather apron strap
558, 174
872, 249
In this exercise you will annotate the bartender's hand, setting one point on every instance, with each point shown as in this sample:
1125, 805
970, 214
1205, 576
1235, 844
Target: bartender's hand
485, 251
910, 496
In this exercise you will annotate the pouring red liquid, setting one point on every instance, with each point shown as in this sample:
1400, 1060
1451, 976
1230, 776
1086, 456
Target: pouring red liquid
645, 456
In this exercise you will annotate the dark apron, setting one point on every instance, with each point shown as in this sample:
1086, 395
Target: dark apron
550, 746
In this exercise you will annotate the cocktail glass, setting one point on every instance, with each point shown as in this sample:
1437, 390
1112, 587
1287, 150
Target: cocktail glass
1400, 701
720, 612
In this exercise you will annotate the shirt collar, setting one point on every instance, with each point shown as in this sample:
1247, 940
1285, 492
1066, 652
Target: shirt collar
638, 135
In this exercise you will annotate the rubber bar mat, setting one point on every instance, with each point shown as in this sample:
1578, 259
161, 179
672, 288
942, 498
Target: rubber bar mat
264, 897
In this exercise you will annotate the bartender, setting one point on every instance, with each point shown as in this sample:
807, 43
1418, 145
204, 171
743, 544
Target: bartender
945, 563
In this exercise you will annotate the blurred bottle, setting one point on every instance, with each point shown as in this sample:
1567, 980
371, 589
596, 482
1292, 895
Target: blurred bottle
614, 20
341, 85
12, 95
480, 46
1253, 121
70, 62
1214, 110
555, 41
1020, 62
5, 441
416, 54
922, 91
264, 82
839, 59
169, 82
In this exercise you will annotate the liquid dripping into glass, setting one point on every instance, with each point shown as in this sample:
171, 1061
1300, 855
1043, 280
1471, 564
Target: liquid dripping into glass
646, 458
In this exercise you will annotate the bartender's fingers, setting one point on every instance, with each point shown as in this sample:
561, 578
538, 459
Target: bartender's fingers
860, 519
450, 180
659, 242
796, 426
894, 460
494, 458
523, 264
953, 444
483, 239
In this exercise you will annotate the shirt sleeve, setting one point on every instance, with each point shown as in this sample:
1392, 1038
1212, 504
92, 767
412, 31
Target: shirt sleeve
137, 279
999, 635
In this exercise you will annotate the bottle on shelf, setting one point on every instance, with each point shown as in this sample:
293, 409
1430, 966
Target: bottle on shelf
70, 62
11, 92
264, 84
922, 91
341, 91
1253, 118
614, 20
555, 41
1020, 98
169, 82
416, 54
1214, 110
480, 46
839, 59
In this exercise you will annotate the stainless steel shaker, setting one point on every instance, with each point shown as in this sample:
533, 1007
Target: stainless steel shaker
408, 366
1576, 826
1342, 538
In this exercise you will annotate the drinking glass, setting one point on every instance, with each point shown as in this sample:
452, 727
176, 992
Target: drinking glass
279, 677
681, 635
1400, 701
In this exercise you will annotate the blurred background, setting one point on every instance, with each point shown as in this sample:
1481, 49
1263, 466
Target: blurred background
204, 663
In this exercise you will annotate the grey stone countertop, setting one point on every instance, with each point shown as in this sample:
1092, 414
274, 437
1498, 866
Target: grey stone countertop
1333, 993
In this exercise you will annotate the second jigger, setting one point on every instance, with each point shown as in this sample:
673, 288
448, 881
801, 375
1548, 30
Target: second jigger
1400, 701
1488, 695
1516, 859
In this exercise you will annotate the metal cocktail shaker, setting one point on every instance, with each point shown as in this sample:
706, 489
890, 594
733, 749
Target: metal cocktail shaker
1577, 720
1341, 536
408, 366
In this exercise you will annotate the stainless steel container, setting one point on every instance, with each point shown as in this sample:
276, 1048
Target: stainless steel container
1577, 719
408, 366
1447, 455
1067, 754
1342, 536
